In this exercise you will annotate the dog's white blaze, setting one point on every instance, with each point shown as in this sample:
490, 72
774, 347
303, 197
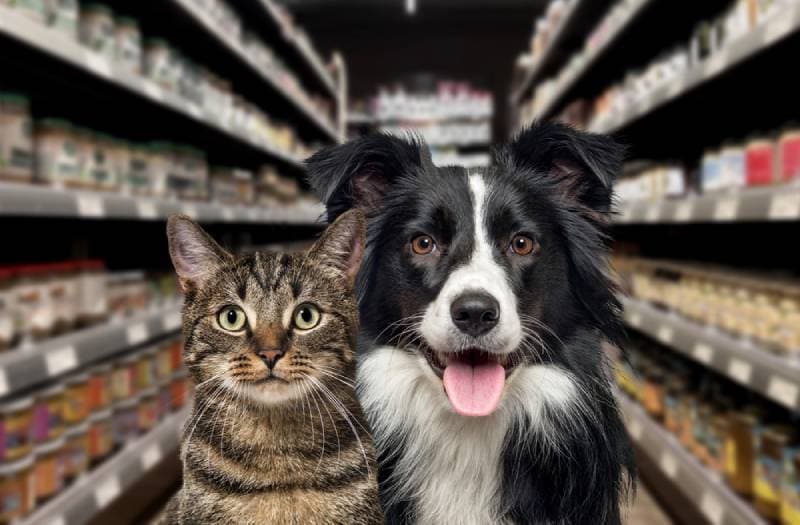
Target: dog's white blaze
481, 273
450, 465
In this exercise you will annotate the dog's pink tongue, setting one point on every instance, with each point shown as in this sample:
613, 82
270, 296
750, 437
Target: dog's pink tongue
474, 390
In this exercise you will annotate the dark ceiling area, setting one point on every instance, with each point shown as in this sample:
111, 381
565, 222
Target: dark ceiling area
382, 44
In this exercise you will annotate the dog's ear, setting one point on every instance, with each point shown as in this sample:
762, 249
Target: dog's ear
583, 165
357, 174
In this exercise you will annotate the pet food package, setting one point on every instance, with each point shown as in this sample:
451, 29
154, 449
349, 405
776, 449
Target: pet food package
760, 161
15, 428
97, 29
769, 470
128, 46
17, 490
16, 138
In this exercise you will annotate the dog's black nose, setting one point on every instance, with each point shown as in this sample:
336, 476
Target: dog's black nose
475, 313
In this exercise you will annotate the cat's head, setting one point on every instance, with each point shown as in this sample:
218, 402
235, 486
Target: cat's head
266, 326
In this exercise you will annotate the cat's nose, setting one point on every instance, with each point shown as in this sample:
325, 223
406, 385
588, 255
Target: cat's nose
270, 357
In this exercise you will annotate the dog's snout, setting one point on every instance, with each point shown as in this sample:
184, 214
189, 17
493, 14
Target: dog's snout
475, 313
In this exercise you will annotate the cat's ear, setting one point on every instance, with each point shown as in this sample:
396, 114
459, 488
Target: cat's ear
195, 255
341, 246
358, 173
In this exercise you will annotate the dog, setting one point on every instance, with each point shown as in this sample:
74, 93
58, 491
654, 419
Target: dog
485, 298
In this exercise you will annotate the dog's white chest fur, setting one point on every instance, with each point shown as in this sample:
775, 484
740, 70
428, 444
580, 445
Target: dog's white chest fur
450, 465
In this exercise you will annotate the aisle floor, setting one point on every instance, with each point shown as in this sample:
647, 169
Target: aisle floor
645, 510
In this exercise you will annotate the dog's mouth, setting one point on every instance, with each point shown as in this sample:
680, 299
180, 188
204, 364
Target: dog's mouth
473, 379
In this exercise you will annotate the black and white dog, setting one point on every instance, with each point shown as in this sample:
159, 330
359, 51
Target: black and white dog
485, 298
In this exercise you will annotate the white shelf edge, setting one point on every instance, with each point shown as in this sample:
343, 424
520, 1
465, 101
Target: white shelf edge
98, 488
70, 51
744, 362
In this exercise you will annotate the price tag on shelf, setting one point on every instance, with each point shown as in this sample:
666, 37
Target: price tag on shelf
136, 334
190, 210
783, 391
98, 64
740, 370
668, 464
703, 353
153, 91
172, 321
653, 213
3, 382
635, 429
784, 206
712, 509
726, 209
60, 360
716, 63
635, 319
780, 25
147, 209
151, 456
683, 211
90, 205
665, 334
106, 491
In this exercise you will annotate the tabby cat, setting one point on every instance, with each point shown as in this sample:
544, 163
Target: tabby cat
276, 434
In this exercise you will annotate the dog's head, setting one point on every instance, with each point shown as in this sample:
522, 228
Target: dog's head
481, 271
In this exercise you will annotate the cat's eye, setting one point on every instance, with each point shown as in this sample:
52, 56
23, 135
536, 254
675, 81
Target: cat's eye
232, 319
523, 245
423, 244
306, 316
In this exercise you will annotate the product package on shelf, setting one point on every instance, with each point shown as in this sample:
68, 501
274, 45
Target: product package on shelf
50, 437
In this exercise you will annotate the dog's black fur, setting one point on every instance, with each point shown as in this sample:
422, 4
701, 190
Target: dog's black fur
553, 183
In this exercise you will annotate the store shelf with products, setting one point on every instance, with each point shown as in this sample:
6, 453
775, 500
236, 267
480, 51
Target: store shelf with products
306, 110
39, 362
575, 22
292, 43
86, 63
767, 204
734, 53
775, 377
37, 201
715, 501
99, 488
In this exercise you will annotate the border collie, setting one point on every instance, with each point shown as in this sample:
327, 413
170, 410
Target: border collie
485, 298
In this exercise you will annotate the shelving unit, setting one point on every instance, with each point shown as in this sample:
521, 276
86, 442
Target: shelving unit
575, 24
100, 487
40, 362
769, 204
743, 361
236, 49
84, 61
34, 201
718, 504
746, 47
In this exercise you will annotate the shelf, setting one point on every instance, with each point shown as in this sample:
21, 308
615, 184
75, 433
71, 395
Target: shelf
40, 362
770, 204
308, 112
309, 57
575, 25
69, 51
38, 201
745, 47
741, 360
591, 60
100, 487
715, 501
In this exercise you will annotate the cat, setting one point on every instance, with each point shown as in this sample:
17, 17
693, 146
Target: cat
276, 434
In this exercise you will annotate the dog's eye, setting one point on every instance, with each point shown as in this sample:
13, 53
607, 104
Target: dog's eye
523, 245
423, 244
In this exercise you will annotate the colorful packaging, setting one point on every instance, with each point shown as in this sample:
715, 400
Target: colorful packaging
101, 435
17, 490
75, 453
148, 410
760, 161
125, 421
122, 379
76, 399
48, 469
16, 421
48, 414
789, 150
16, 138
100, 395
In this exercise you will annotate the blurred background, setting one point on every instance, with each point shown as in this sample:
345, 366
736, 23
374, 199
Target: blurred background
115, 115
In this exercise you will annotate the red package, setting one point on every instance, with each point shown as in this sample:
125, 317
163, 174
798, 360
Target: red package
760, 163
